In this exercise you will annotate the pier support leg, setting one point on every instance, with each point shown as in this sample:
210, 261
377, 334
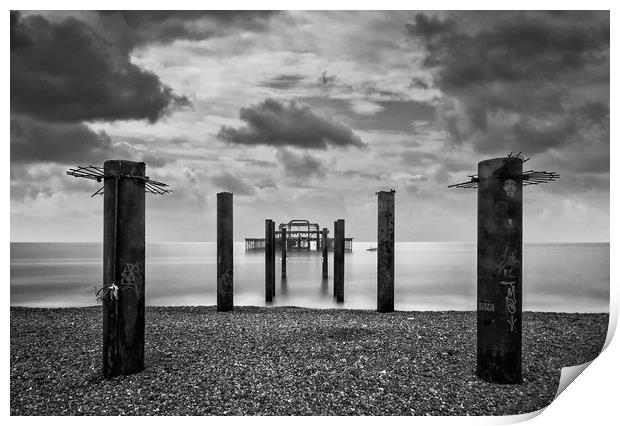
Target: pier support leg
270, 264
123, 268
283, 244
324, 254
385, 252
339, 260
500, 240
224, 251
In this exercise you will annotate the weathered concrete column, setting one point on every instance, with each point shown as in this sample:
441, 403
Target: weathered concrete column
385, 252
339, 260
334, 256
500, 240
224, 251
273, 258
283, 245
324, 253
270, 261
123, 268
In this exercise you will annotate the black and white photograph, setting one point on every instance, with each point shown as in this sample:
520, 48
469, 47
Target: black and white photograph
306, 212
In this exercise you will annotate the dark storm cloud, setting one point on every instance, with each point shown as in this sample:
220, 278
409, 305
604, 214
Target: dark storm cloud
535, 134
429, 27
73, 143
392, 115
232, 183
418, 83
516, 47
519, 77
132, 28
64, 71
276, 123
284, 81
300, 165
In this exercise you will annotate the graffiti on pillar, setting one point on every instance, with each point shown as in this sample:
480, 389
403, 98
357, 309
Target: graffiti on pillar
511, 305
485, 305
132, 277
510, 188
507, 264
224, 283
509, 225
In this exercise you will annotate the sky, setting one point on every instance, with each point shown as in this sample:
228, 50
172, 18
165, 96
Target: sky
305, 115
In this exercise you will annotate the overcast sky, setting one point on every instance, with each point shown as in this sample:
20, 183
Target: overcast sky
307, 115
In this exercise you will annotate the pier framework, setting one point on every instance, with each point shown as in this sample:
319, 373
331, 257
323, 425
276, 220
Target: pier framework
300, 235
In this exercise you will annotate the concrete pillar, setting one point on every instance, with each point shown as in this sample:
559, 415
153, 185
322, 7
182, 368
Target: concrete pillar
334, 256
385, 252
123, 268
339, 260
324, 254
283, 244
270, 265
273, 258
224, 251
500, 240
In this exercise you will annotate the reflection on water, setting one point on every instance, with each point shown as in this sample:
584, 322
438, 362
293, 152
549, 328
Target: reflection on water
428, 276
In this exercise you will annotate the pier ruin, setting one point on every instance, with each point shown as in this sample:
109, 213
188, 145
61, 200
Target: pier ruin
300, 235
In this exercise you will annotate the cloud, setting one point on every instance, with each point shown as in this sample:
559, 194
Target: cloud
134, 28
232, 183
300, 165
511, 46
65, 71
258, 163
279, 124
418, 178
266, 183
284, 81
516, 80
418, 83
33, 140
74, 143
364, 107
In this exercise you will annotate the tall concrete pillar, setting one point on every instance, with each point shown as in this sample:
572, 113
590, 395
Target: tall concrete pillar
385, 252
273, 258
224, 251
324, 253
339, 260
283, 244
270, 261
123, 268
334, 256
500, 241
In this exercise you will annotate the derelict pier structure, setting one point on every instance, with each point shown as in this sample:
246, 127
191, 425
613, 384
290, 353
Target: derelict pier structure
301, 235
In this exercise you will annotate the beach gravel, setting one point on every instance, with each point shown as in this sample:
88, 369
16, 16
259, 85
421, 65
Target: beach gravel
288, 361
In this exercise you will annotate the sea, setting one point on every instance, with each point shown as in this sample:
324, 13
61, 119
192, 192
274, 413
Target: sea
557, 277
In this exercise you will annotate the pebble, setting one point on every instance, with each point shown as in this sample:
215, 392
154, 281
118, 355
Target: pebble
287, 361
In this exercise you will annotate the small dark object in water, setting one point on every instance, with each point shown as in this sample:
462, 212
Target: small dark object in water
371, 249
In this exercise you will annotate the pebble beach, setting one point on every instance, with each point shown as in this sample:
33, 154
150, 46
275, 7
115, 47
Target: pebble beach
288, 361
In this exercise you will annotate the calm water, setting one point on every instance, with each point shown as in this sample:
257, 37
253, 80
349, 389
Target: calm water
429, 276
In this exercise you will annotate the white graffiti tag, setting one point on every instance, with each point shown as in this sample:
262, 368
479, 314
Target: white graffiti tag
486, 306
132, 277
224, 283
507, 264
511, 303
